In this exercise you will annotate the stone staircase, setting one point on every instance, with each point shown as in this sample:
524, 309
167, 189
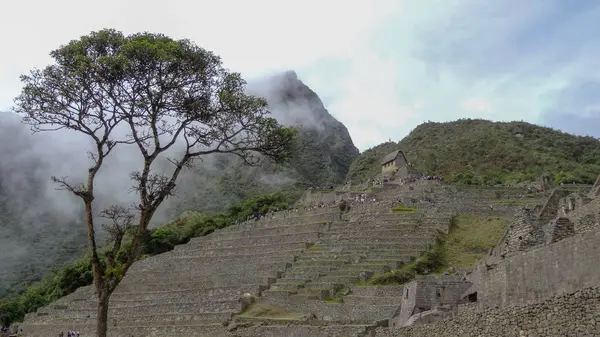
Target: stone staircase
325, 279
299, 261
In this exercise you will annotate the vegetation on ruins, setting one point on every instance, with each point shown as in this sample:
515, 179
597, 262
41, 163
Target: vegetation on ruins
469, 239
403, 209
159, 95
59, 283
430, 261
475, 151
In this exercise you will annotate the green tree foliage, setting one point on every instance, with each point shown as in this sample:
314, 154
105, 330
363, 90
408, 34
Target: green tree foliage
164, 92
158, 240
475, 151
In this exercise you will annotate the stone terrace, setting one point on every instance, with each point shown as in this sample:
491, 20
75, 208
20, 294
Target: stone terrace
348, 252
306, 262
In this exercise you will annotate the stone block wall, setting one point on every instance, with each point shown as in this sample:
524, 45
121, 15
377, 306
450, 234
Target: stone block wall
427, 294
558, 229
541, 273
551, 207
587, 217
572, 314
523, 233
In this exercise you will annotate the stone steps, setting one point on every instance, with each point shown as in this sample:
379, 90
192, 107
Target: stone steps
316, 293
250, 241
321, 262
147, 309
297, 330
372, 300
229, 257
266, 269
142, 330
180, 293
323, 285
240, 250
369, 226
378, 232
189, 267
396, 248
195, 264
194, 284
387, 224
287, 279
76, 318
404, 241
340, 279
280, 230
336, 311
286, 286
118, 303
389, 291
340, 246
199, 256
352, 256
221, 292
209, 281
391, 262
309, 272
278, 293
357, 269
269, 223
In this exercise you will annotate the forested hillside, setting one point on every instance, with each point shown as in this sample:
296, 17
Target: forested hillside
484, 152
38, 235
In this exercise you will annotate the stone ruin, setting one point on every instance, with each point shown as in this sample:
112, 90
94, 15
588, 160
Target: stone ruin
544, 268
308, 266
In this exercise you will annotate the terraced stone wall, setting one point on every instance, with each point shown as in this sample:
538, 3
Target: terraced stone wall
540, 273
572, 314
551, 207
427, 294
587, 217
523, 233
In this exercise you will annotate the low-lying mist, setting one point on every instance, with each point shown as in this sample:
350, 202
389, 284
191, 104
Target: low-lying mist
42, 227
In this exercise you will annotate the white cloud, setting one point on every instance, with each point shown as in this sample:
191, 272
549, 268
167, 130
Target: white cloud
380, 66
255, 38
371, 108
477, 106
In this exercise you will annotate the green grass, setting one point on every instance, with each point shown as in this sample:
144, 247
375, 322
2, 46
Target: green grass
470, 238
429, 261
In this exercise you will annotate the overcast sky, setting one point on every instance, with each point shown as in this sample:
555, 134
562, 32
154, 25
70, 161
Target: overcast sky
380, 66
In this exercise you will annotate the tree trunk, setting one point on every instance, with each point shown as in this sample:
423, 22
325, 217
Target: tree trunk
102, 314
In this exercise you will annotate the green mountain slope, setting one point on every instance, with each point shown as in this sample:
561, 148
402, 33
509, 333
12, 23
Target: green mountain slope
481, 151
325, 153
36, 238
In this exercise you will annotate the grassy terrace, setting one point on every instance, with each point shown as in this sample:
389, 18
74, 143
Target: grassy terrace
403, 209
269, 312
470, 238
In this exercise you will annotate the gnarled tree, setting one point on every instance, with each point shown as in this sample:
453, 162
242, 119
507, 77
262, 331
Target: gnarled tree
159, 95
